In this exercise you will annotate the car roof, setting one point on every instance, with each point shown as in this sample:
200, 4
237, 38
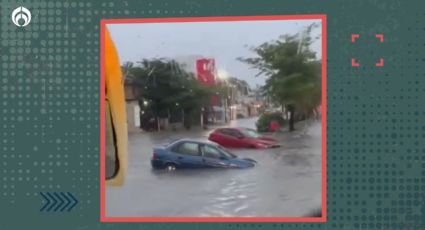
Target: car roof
195, 140
236, 128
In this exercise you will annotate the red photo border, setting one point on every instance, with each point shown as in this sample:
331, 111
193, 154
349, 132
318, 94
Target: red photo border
104, 22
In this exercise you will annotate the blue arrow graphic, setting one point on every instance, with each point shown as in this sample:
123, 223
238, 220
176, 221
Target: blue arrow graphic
47, 203
58, 201
67, 202
54, 201
75, 200
61, 201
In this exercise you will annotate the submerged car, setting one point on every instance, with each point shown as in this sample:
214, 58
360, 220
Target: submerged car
242, 138
187, 153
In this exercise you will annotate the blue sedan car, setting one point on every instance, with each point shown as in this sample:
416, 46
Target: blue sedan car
188, 153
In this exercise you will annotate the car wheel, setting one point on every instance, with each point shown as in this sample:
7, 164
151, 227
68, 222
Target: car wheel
170, 167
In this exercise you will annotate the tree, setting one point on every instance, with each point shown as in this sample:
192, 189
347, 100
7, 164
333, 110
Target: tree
291, 70
126, 68
165, 86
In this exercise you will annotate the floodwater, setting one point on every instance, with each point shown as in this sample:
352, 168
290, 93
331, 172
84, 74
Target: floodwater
285, 183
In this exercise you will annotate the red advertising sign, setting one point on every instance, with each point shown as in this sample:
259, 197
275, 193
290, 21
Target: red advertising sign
206, 71
206, 75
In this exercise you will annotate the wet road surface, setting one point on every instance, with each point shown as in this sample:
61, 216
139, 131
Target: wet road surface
285, 183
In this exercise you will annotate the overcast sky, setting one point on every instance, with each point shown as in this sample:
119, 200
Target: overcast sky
224, 41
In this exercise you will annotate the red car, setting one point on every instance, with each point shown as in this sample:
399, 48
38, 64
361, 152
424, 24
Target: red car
242, 138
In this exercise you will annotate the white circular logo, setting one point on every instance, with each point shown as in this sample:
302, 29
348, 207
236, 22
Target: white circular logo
21, 16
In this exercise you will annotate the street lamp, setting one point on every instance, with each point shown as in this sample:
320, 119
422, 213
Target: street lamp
222, 74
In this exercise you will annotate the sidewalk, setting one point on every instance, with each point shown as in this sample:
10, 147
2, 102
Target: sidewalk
312, 130
199, 131
186, 132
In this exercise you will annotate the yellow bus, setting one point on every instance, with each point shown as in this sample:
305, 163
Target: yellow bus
115, 116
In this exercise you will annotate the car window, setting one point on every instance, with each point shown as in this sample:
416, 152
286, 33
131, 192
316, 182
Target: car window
210, 151
188, 148
224, 131
230, 132
236, 133
250, 133
226, 152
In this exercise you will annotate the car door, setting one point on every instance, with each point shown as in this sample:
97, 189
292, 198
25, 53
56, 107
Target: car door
187, 155
213, 158
240, 139
222, 137
218, 137
229, 138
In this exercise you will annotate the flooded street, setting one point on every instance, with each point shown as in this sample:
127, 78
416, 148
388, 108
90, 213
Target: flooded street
286, 182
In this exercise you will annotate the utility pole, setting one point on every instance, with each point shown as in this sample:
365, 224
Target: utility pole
299, 49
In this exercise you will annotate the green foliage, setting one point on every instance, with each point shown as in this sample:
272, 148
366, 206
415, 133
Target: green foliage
292, 71
164, 85
166, 89
264, 120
